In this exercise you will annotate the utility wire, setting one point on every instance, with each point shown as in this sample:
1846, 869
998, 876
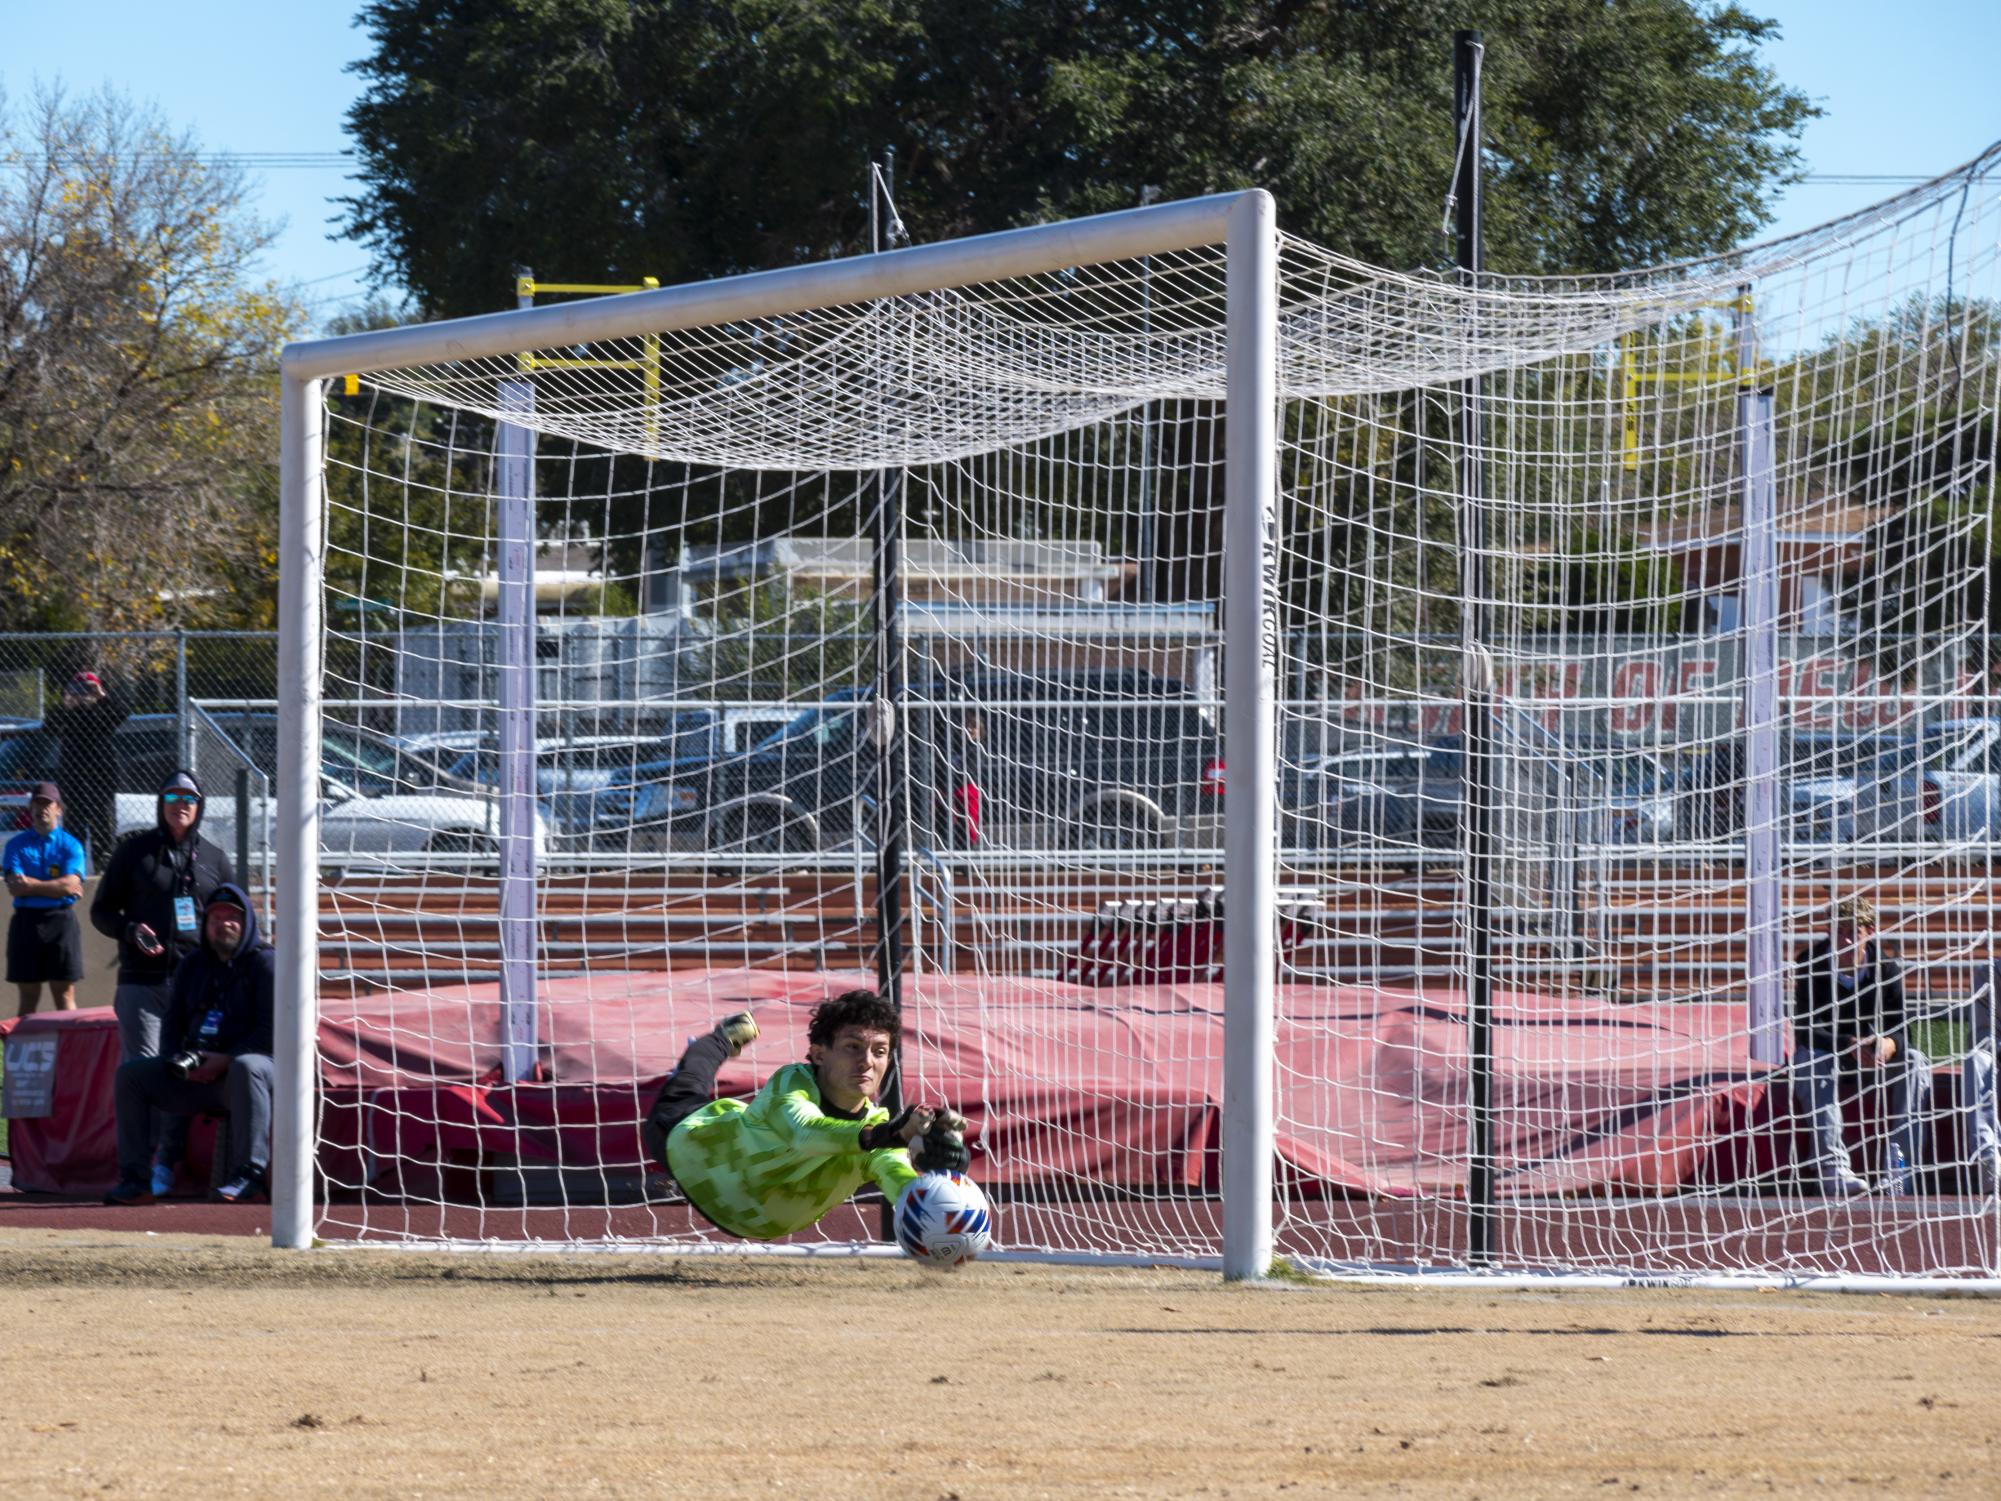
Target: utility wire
319, 161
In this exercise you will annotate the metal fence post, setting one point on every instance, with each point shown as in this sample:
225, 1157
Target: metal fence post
243, 825
184, 726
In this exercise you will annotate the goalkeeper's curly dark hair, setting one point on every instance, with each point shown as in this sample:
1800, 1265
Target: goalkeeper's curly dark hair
851, 1008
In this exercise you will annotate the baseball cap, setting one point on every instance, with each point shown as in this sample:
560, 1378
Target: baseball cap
45, 792
85, 679
223, 904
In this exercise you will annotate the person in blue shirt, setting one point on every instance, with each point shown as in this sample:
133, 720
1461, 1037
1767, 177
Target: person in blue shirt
44, 867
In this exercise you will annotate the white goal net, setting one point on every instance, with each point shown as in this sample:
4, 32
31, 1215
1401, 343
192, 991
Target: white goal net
887, 640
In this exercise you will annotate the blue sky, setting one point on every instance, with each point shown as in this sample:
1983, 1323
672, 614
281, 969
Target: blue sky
1908, 90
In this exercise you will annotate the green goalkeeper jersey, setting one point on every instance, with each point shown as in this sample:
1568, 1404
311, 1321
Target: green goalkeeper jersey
775, 1165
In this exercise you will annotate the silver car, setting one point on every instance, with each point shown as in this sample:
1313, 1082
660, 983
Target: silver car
397, 830
1943, 787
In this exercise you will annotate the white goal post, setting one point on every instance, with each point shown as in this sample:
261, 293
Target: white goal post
1244, 223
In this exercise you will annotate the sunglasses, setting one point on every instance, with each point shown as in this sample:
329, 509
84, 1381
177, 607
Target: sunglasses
180, 797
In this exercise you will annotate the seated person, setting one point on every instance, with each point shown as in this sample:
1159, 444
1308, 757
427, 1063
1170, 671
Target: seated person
775, 1164
215, 1055
1849, 1036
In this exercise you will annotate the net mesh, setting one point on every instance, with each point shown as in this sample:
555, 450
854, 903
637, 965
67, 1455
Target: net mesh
732, 719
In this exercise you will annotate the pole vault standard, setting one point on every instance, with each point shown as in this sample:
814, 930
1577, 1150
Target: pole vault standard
1758, 588
1244, 223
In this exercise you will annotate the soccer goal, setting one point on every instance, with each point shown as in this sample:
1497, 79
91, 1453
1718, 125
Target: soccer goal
1328, 762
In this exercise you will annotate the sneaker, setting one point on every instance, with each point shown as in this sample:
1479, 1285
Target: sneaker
129, 1191
737, 1032
163, 1179
1851, 1186
246, 1187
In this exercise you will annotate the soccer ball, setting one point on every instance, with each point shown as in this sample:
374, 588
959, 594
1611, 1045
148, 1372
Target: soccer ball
944, 1221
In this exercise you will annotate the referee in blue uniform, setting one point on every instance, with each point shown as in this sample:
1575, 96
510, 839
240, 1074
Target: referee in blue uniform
44, 867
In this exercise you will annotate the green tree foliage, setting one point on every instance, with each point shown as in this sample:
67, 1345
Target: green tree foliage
620, 138
138, 417
1903, 408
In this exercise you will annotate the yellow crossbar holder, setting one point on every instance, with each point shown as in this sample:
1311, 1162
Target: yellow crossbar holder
527, 288
1721, 370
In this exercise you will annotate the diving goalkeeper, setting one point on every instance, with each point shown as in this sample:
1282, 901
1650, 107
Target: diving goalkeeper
807, 1140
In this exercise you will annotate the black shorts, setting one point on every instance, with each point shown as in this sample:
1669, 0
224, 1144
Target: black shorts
43, 944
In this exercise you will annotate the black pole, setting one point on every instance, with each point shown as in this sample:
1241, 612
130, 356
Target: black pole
892, 761
1481, 776
243, 827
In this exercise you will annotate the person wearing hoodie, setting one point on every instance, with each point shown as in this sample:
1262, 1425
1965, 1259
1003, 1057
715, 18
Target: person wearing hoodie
150, 899
219, 1031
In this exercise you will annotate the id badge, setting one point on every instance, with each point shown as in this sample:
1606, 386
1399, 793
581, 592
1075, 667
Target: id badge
184, 914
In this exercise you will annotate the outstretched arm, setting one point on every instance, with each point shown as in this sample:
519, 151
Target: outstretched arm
811, 1132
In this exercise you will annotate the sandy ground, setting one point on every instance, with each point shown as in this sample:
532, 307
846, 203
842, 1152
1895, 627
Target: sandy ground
189, 1366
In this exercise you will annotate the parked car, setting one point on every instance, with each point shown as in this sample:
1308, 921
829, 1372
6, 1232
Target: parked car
356, 828
1411, 796
1820, 772
1099, 759
371, 762
1944, 785
1076, 758
575, 775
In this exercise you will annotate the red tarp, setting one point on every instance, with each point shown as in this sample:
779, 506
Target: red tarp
1113, 1086
1118, 1087
74, 1148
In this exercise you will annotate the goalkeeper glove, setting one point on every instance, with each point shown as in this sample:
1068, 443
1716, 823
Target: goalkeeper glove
942, 1150
890, 1133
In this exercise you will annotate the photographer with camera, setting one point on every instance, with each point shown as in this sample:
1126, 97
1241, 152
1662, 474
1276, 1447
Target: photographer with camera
216, 1057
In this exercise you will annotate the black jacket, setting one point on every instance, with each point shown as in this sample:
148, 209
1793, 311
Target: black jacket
88, 770
1833, 1016
142, 878
241, 991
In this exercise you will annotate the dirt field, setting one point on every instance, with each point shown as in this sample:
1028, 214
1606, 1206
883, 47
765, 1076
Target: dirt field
186, 1366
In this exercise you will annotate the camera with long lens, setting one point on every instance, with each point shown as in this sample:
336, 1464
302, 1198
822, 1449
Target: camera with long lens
183, 1063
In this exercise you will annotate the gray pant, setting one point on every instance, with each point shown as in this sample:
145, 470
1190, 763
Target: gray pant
1982, 1127
1907, 1085
244, 1093
140, 1010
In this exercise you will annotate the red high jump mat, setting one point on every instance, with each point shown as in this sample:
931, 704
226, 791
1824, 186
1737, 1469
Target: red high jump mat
1116, 1088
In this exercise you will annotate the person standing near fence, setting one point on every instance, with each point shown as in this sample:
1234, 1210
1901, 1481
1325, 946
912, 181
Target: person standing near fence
84, 724
151, 899
44, 866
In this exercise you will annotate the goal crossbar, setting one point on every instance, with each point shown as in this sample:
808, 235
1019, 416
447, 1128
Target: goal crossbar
1158, 229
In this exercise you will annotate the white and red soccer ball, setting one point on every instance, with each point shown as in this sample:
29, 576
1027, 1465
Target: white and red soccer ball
943, 1221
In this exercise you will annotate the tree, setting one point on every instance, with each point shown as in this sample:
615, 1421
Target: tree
1901, 408
138, 416
612, 139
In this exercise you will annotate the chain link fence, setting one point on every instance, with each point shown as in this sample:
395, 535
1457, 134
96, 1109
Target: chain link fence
110, 717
